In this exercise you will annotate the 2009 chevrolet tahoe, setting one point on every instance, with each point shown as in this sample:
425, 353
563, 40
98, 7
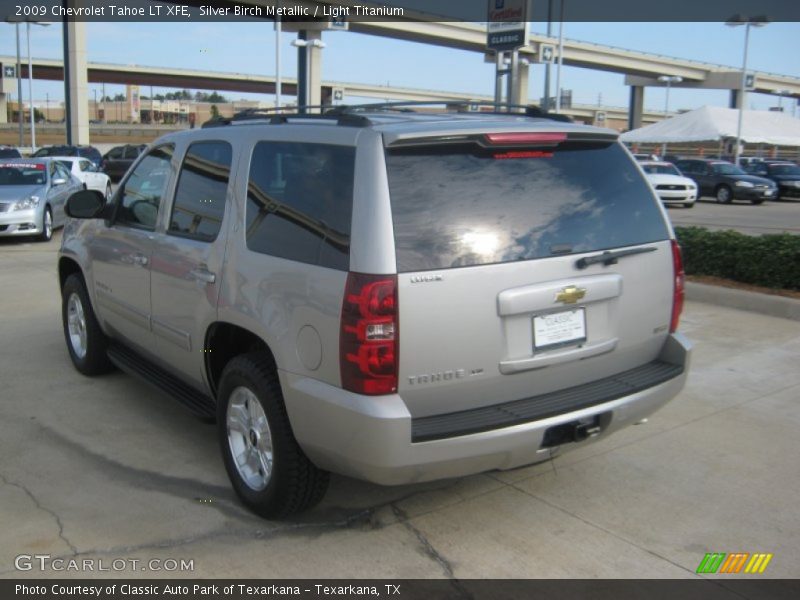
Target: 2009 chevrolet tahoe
393, 295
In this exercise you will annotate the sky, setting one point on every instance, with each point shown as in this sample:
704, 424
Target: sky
250, 48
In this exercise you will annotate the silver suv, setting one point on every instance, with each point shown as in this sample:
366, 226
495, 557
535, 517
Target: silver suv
392, 295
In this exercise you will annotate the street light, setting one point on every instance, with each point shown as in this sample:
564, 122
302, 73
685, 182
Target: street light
669, 80
736, 21
30, 82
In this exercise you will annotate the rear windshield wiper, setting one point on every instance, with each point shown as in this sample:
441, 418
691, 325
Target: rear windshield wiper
610, 258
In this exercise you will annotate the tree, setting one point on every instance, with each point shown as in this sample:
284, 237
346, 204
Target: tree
214, 111
119, 98
215, 97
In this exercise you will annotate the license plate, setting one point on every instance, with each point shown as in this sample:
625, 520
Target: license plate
559, 329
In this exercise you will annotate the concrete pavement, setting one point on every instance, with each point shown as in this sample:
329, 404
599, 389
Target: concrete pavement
108, 469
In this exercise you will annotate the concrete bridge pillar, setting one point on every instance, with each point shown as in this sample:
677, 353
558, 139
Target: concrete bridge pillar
636, 107
735, 100
76, 86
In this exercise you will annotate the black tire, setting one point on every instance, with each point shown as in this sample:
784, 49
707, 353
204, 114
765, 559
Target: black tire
723, 194
108, 190
689, 205
294, 483
757, 201
94, 360
47, 225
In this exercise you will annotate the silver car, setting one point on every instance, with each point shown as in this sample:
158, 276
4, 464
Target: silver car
32, 196
395, 296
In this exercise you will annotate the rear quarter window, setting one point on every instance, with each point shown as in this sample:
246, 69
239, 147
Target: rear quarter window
300, 201
463, 206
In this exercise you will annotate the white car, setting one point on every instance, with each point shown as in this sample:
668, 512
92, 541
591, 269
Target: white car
670, 186
85, 171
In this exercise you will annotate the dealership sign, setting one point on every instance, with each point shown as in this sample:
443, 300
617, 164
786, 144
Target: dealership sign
507, 24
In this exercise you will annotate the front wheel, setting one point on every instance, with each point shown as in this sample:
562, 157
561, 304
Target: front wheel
86, 342
47, 226
266, 466
688, 204
724, 194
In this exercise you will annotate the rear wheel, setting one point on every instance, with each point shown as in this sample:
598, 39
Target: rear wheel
86, 342
47, 225
266, 466
724, 194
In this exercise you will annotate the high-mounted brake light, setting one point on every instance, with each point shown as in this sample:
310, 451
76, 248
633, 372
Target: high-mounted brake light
368, 341
523, 137
677, 291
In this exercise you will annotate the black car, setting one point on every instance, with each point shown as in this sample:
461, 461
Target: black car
786, 176
118, 160
725, 181
90, 152
9, 152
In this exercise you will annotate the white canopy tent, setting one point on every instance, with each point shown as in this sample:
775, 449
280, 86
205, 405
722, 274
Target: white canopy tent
713, 123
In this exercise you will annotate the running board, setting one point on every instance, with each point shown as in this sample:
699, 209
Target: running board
127, 360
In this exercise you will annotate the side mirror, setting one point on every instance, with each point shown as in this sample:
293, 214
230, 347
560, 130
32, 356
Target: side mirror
59, 181
86, 204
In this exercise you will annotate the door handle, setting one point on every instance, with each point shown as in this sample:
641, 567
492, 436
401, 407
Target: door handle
203, 275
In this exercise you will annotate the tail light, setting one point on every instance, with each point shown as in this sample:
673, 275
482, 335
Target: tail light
677, 292
368, 348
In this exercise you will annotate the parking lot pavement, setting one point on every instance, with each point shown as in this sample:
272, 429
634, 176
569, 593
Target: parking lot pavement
773, 216
108, 469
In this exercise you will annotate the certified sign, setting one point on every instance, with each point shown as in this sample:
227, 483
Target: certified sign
507, 22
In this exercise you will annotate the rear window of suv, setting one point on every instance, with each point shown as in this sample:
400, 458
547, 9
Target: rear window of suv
458, 206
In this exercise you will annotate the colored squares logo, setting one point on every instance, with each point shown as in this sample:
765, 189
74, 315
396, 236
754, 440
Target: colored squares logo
733, 563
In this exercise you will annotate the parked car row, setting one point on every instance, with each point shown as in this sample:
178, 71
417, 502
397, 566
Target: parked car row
685, 180
113, 163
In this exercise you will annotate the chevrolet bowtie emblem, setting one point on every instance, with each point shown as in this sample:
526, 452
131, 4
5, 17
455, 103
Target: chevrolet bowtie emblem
570, 294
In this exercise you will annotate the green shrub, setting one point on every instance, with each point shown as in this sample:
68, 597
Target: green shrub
768, 260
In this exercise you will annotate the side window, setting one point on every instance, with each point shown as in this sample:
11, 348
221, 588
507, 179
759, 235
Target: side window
62, 172
143, 189
202, 186
85, 165
300, 201
115, 152
131, 152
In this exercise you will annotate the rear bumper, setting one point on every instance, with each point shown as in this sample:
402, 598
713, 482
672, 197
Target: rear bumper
370, 438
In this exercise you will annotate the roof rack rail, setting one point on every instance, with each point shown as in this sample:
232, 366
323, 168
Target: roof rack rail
279, 115
348, 114
500, 108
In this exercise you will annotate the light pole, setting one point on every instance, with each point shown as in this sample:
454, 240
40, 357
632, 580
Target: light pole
47, 108
560, 56
669, 80
95, 103
736, 21
30, 81
278, 60
20, 112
